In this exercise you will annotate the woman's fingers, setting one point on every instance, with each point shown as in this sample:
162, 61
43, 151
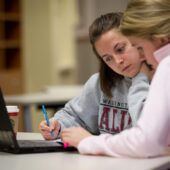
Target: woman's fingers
46, 130
74, 135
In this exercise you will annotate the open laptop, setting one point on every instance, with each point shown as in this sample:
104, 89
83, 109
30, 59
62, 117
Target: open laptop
9, 143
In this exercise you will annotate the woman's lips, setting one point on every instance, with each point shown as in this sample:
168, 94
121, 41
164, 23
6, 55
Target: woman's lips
125, 68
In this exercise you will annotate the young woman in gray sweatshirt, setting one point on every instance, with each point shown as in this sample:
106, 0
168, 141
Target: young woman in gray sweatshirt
112, 99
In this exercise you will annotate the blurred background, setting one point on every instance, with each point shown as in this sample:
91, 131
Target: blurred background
45, 43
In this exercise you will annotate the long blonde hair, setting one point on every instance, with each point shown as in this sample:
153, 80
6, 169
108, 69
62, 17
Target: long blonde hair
147, 19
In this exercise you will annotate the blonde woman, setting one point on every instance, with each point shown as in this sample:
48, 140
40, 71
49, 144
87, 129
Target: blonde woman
147, 25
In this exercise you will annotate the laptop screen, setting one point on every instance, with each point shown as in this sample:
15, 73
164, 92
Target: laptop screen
7, 136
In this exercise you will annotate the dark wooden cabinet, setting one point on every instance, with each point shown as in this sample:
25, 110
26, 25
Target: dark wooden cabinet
10, 47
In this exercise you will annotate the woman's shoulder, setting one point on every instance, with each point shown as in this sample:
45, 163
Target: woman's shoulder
163, 68
165, 61
93, 83
93, 79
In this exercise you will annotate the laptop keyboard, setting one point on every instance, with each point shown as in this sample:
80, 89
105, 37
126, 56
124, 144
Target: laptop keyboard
37, 143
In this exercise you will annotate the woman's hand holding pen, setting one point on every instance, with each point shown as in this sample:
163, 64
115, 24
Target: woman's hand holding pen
46, 130
74, 135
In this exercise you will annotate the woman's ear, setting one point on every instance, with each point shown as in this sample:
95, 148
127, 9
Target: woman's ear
165, 41
141, 54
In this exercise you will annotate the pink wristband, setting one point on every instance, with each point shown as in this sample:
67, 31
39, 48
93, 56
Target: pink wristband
66, 145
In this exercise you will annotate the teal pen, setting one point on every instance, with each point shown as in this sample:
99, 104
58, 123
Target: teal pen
46, 117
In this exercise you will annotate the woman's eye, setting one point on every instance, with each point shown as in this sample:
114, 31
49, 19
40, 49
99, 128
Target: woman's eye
139, 48
120, 50
108, 59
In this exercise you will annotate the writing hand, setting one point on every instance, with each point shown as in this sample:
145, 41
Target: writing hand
46, 130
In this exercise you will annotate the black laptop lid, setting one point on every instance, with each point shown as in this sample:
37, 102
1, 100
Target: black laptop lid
7, 136
8, 142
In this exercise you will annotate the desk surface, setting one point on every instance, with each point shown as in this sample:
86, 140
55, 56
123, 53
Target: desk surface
51, 95
74, 161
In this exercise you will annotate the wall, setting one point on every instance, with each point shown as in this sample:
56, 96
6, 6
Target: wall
48, 43
52, 52
48, 46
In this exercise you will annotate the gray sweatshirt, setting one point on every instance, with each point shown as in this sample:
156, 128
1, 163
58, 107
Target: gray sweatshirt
98, 113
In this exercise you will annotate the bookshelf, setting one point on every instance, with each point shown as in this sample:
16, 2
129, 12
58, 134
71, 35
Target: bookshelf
10, 47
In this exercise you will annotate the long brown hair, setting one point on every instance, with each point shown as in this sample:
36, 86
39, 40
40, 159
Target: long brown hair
100, 26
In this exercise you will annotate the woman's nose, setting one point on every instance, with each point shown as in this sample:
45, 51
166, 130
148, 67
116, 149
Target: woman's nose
119, 59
